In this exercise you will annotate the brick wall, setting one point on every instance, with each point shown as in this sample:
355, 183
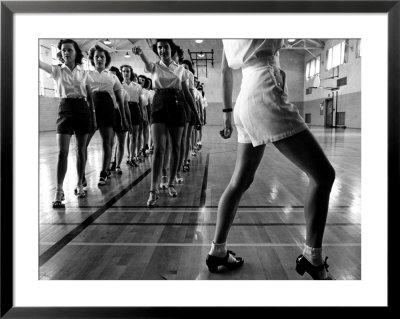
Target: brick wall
48, 109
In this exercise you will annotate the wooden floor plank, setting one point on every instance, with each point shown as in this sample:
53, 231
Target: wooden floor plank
128, 241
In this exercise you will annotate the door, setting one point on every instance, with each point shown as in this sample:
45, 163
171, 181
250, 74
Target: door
328, 112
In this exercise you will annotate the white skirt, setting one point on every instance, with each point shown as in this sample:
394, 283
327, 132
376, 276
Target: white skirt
262, 111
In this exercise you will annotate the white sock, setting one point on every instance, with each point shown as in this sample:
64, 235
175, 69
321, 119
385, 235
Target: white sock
314, 256
219, 250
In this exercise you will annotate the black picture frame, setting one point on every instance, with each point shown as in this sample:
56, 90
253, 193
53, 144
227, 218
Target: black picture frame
9, 8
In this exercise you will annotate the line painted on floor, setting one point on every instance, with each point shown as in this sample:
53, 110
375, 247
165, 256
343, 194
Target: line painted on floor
203, 244
203, 196
48, 254
199, 224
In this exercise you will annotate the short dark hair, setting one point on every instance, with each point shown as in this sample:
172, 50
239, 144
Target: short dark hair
149, 85
179, 51
128, 66
189, 64
171, 44
95, 48
117, 73
79, 55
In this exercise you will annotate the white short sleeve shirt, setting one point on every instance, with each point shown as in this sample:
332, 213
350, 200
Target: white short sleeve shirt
104, 81
70, 84
134, 91
240, 51
168, 77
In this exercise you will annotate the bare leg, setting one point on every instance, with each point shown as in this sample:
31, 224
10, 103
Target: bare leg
305, 152
128, 144
133, 140
167, 156
182, 151
176, 139
107, 135
63, 141
120, 148
247, 161
159, 135
81, 151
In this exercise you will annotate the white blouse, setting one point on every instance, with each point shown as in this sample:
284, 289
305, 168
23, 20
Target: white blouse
70, 84
134, 91
167, 77
105, 81
190, 80
240, 51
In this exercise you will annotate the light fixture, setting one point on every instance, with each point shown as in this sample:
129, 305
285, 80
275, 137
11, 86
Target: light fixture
107, 42
200, 55
127, 55
199, 41
291, 40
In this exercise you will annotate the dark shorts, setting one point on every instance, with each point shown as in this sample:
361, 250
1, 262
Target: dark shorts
168, 107
73, 117
117, 122
105, 110
136, 115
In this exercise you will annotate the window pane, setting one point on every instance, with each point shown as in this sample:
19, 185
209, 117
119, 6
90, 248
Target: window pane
312, 67
308, 70
317, 64
342, 48
329, 62
336, 55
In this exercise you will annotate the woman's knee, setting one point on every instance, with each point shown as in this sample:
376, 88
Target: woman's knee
325, 178
241, 184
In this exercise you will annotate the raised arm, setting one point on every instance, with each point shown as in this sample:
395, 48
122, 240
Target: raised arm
227, 88
44, 66
148, 64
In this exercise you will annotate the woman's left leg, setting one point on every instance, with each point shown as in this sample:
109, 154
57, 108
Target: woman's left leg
120, 148
176, 139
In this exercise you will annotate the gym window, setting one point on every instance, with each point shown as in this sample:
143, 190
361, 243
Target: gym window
313, 67
335, 55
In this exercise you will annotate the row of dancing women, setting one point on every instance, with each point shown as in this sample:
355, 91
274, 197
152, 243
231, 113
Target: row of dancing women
120, 107
262, 114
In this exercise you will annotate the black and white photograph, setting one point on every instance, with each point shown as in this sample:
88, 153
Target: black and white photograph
200, 159
180, 159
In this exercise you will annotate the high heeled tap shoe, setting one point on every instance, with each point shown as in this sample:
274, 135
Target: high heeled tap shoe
303, 265
213, 262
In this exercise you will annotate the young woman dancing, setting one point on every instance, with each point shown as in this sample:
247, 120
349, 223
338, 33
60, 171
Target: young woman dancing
167, 111
263, 115
73, 113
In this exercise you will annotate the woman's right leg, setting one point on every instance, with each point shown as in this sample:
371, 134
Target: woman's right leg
133, 142
63, 141
247, 161
128, 145
187, 147
165, 165
159, 136
120, 148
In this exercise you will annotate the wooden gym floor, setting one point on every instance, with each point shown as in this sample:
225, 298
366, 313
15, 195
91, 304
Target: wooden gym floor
112, 235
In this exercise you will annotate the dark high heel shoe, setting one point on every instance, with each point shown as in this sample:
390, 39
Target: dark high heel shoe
213, 262
303, 265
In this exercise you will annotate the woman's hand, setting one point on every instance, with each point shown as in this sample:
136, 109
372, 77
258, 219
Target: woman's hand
226, 132
137, 50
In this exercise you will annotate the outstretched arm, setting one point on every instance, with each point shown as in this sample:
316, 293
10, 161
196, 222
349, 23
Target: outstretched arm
44, 66
148, 65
